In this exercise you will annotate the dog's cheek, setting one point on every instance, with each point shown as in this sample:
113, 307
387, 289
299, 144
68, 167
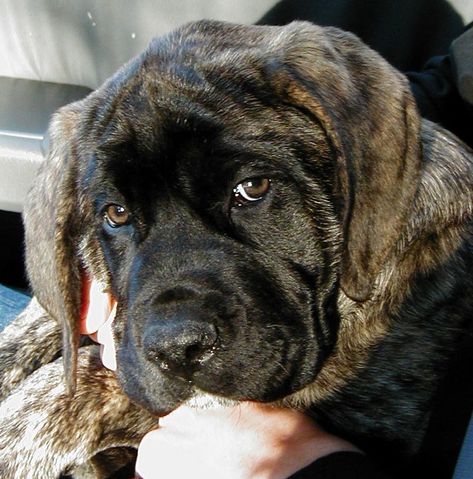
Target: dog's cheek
266, 353
119, 253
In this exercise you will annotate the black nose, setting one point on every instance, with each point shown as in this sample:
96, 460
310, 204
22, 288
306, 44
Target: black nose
180, 346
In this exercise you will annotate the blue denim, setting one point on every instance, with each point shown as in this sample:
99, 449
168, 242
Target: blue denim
465, 460
12, 302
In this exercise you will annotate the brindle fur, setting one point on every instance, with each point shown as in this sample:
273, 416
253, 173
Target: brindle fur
395, 299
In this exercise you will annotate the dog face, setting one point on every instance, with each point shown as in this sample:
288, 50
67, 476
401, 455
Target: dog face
222, 185
212, 233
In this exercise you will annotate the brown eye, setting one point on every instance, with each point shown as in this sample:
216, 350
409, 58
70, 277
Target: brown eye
116, 215
251, 190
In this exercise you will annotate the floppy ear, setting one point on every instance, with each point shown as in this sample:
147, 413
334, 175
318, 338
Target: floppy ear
52, 232
370, 118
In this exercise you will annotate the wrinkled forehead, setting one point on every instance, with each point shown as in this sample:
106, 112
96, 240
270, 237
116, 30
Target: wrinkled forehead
172, 95
185, 104
180, 88
161, 118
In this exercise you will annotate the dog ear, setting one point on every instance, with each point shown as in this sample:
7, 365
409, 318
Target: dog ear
368, 113
52, 231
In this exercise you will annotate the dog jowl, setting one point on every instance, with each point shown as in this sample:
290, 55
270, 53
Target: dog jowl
268, 210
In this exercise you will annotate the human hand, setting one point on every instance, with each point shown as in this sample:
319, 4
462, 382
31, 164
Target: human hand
97, 315
245, 441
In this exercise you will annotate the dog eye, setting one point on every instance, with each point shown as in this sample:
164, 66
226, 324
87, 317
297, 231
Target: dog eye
251, 190
116, 215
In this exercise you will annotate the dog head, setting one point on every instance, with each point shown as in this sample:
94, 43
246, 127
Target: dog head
225, 185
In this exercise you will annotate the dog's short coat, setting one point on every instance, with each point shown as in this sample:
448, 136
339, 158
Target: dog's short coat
276, 223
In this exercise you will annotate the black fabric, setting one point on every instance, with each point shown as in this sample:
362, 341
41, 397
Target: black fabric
406, 32
462, 55
438, 99
342, 465
450, 418
437, 90
11, 253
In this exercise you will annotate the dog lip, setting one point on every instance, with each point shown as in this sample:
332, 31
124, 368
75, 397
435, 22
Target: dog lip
145, 395
204, 400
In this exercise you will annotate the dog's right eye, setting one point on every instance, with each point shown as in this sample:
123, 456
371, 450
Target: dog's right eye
250, 191
116, 215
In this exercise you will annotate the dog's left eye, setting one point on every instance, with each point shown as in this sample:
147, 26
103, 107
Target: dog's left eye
251, 190
116, 215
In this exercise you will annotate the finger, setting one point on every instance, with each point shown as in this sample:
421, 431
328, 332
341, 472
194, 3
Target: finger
146, 466
105, 338
96, 306
182, 415
108, 356
104, 331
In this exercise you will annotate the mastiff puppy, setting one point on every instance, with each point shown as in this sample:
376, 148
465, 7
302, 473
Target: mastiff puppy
275, 222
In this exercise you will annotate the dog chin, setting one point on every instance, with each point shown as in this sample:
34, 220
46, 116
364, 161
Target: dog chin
197, 400
203, 400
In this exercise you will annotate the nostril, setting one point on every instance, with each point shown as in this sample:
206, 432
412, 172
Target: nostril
193, 353
200, 351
